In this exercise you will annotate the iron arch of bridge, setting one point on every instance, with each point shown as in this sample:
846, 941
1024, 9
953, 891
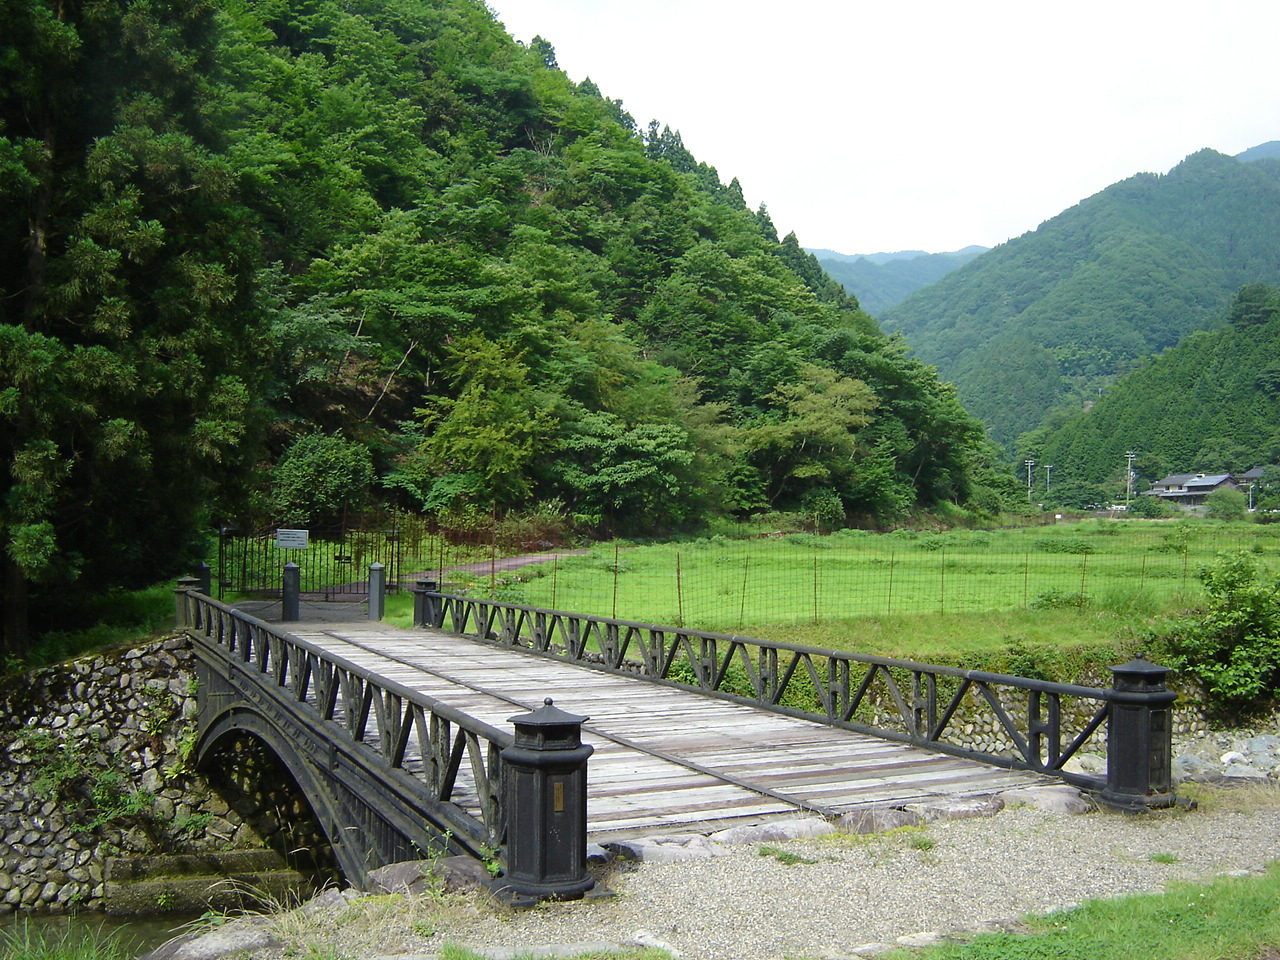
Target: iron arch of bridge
380, 765
361, 837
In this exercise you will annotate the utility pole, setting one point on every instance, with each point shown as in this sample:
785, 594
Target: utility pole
1030, 464
1129, 456
1048, 476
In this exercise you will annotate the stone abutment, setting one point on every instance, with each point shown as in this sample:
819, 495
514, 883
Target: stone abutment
96, 780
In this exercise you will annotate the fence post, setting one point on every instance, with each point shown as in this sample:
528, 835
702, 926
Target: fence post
290, 595
182, 603
427, 611
204, 574
1139, 738
377, 590
546, 806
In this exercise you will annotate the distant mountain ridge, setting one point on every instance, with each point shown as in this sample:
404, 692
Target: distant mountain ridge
881, 280
1263, 151
1054, 316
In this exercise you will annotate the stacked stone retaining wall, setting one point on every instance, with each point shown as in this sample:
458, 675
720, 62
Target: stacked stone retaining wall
95, 764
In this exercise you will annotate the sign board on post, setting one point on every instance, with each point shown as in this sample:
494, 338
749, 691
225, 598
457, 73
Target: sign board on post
291, 539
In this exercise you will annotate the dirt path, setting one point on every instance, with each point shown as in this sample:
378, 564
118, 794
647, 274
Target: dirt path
498, 564
358, 588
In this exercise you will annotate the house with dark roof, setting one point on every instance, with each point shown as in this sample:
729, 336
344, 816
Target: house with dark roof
1188, 490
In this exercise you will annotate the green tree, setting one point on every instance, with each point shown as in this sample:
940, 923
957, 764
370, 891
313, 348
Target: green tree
493, 428
1232, 646
127, 316
634, 478
319, 479
1254, 304
811, 437
1148, 507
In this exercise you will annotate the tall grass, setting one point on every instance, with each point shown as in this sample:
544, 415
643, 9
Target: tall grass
123, 616
74, 942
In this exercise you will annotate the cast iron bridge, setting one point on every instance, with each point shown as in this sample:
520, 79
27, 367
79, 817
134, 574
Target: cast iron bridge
396, 736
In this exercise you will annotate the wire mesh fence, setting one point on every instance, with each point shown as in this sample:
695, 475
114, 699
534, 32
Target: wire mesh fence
724, 582
745, 577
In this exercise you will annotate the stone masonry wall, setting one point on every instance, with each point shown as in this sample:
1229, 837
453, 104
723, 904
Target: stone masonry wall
95, 762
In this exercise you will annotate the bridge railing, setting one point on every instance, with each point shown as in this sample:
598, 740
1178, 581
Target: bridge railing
1007, 721
414, 734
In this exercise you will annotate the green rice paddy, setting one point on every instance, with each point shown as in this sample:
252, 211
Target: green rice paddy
724, 584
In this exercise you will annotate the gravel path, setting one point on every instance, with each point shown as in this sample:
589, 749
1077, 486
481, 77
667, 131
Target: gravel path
745, 906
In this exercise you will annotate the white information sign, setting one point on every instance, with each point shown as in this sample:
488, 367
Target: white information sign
291, 539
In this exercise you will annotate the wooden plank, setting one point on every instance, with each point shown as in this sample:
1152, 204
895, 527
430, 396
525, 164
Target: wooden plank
632, 790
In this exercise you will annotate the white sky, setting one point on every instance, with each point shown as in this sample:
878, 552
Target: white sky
926, 124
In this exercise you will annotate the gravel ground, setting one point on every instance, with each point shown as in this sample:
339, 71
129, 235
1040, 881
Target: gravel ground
860, 890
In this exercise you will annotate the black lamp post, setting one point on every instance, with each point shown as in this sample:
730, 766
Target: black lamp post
1139, 738
546, 806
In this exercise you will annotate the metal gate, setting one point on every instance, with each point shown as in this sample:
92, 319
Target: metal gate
333, 566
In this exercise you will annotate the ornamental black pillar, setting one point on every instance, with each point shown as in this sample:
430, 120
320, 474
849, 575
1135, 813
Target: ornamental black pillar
546, 806
204, 573
427, 611
1139, 738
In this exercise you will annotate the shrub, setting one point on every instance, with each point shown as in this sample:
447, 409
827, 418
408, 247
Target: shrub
1224, 504
1056, 599
813, 541
1232, 645
825, 506
1062, 545
931, 542
1150, 508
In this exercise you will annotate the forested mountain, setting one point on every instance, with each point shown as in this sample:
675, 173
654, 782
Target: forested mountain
1209, 405
1052, 317
880, 281
1263, 151
273, 263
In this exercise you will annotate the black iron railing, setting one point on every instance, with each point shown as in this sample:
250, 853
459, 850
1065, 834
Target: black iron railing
1006, 721
414, 735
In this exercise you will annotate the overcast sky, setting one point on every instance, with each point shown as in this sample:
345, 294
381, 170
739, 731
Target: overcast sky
926, 124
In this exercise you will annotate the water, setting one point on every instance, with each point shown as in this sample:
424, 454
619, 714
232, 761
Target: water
137, 935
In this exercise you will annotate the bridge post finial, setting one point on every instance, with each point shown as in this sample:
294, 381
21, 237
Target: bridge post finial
181, 603
427, 611
204, 573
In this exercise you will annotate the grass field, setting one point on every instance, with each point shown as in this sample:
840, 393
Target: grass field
721, 583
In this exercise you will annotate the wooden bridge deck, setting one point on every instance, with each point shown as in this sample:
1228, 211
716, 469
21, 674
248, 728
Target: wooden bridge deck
665, 759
